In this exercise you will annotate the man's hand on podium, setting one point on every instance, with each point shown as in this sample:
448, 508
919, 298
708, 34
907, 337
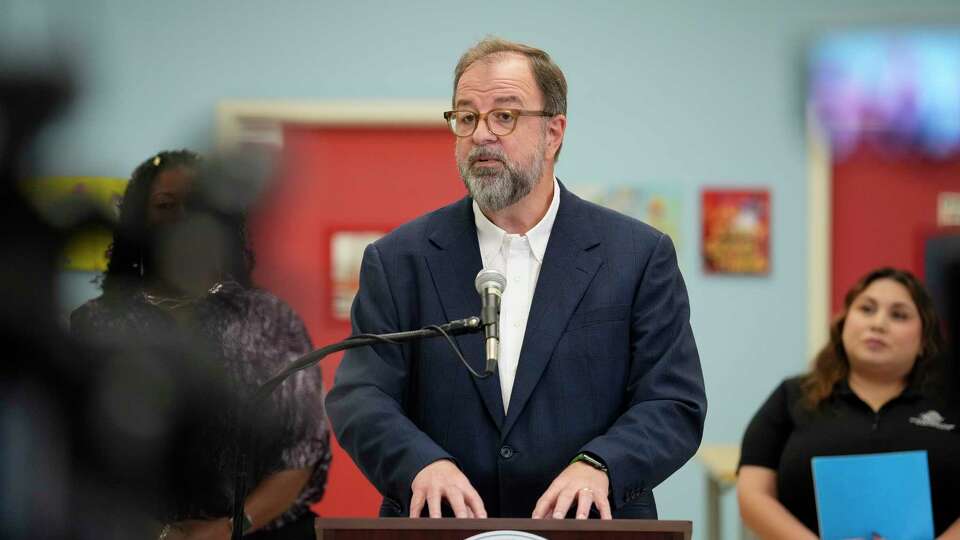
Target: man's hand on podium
579, 482
443, 480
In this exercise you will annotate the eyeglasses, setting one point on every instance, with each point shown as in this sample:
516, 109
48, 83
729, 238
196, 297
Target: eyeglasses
500, 122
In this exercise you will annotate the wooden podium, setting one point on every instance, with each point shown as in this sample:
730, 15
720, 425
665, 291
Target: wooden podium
459, 529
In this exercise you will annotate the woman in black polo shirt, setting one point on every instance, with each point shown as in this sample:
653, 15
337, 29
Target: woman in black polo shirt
873, 388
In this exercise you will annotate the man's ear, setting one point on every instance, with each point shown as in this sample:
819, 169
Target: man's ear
556, 127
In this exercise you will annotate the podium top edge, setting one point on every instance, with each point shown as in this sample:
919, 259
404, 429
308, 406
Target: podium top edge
649, 525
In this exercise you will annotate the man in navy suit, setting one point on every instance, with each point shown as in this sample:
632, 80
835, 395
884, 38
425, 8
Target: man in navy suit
598, 396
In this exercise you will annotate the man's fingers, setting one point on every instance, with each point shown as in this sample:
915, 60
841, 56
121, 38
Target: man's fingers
584, 502
455, 497
416, 503
475, 503
544, 504
433, 502
564, 500
439, 481
578, 482
604, 506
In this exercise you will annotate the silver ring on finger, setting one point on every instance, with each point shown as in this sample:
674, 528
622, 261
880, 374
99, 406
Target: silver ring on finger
588, 490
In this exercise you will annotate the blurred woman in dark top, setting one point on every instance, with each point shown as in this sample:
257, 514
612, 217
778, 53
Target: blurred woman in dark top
877, 386
179, 268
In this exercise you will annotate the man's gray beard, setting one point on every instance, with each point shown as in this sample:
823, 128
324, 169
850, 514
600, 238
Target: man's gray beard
494, 190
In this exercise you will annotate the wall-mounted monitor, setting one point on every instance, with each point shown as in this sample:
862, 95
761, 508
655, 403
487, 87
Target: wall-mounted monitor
899, 90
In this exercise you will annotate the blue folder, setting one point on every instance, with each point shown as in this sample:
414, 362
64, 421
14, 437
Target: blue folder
887, 494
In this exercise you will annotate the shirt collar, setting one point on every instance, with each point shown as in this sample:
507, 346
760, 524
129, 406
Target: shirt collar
910, 392
490, 236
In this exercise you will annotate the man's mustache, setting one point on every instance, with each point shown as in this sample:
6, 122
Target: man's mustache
485, 153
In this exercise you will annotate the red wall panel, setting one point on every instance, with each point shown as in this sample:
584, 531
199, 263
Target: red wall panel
883, 205
343, 178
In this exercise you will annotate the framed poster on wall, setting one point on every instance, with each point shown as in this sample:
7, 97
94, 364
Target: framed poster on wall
346, 254
736, 231
657, 205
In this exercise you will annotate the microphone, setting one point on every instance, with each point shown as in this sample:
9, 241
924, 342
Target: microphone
490, 285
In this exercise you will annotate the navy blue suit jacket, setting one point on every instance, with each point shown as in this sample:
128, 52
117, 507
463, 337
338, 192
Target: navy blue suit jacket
608, 364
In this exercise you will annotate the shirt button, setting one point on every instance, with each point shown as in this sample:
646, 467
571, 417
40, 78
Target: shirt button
506, 452
516, 324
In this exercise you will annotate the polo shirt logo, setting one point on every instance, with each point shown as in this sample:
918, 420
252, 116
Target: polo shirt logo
932, 419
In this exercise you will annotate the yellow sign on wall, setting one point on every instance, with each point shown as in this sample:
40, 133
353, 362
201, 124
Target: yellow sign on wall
86, 248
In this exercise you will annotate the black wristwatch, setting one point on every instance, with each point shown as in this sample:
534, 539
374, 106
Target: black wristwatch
590, 460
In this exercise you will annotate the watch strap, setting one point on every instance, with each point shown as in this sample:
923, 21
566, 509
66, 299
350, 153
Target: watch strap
589, 460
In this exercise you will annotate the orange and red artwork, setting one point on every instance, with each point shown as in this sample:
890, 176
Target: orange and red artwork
736, 231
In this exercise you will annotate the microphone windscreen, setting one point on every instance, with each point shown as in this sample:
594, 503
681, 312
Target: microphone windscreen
490, 278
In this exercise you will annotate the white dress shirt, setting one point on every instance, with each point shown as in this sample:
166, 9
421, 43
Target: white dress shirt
519, 257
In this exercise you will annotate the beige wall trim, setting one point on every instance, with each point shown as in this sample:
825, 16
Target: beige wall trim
818, 235
262, 120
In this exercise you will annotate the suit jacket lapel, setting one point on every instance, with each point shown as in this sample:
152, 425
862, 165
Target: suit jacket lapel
454, 260
568, 268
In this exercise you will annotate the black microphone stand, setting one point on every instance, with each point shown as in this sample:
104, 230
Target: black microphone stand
244, 429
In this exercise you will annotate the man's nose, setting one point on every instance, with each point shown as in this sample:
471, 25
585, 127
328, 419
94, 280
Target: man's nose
483, 135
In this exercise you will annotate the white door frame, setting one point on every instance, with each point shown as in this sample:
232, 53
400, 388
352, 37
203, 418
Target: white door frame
819, 235
261, 121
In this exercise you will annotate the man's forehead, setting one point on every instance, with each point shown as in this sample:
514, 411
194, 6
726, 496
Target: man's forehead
507, 75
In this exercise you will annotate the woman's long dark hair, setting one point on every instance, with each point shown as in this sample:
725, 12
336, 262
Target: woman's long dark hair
129, 255
831, 364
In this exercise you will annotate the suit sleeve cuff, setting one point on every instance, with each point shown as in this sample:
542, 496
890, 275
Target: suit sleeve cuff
623, 489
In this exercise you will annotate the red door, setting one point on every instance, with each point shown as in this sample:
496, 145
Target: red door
884, 207
343, 179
